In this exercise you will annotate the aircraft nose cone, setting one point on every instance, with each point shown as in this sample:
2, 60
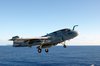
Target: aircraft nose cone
76, 33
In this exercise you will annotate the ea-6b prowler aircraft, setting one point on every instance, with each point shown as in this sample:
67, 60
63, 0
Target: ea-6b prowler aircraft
46, 41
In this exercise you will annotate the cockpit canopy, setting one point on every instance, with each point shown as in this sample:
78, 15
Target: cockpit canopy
63, 30
57, 32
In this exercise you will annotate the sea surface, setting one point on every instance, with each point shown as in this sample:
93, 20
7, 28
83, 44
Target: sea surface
57, 56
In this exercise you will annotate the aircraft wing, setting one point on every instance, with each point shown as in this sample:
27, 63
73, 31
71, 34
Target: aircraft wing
37, 38
29, 40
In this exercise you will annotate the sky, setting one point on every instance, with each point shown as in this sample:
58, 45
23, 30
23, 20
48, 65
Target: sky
35, 18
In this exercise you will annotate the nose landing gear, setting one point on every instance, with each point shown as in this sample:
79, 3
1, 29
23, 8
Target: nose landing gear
64, 46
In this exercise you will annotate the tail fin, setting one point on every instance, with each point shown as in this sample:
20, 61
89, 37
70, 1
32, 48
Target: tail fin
14, 41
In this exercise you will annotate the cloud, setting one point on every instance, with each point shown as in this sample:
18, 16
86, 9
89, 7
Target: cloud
85, 41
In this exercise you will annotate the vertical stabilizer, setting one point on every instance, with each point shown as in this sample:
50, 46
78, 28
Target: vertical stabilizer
14, 41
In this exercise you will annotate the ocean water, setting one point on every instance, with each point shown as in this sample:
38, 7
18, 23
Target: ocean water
57, 56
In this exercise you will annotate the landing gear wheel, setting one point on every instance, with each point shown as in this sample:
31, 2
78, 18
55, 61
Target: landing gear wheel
39, 50
46, 50
64, 46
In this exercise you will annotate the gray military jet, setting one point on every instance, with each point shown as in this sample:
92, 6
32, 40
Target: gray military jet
46, 41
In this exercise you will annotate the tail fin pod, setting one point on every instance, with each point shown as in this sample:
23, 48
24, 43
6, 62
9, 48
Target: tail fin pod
15, 37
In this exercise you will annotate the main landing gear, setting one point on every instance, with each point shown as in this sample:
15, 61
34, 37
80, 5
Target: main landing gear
46, 50
39, 50
64, 46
